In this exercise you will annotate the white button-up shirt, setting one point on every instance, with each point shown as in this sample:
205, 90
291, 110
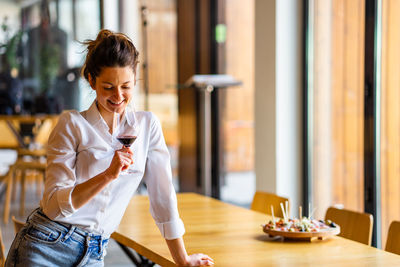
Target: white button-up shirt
80, 147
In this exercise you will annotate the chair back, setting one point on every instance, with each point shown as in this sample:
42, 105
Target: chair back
7, 138
354, 225
17, 224
45, 129
2, 251
262, 202
393, 239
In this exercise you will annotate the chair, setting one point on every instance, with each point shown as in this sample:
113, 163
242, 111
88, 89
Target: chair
38, 156
262, 202
7, 138
17, 224
22, 166
2, 251
393, 239
7, 179
354, 225
41, 132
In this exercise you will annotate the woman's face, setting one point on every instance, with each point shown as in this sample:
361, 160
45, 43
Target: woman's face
114, 89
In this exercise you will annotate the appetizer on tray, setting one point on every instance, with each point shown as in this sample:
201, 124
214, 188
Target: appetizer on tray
299, 228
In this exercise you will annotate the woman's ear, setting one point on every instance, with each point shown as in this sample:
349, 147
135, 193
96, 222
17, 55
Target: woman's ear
92, 82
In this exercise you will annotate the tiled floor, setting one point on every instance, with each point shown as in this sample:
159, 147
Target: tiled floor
238, 189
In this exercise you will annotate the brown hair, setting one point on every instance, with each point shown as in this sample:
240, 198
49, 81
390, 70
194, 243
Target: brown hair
109, 50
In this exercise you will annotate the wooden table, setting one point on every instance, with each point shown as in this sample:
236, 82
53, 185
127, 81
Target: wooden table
13, 123
232, 236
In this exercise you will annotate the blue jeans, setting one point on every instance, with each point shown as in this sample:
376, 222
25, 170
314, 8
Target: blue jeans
44, 242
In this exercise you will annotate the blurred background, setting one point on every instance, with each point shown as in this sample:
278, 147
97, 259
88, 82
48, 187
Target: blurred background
42, 53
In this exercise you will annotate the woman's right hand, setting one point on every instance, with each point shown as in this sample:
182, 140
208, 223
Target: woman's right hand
199, 259
122, 159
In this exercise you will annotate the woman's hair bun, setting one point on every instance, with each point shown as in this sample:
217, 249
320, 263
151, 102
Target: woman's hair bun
109, 49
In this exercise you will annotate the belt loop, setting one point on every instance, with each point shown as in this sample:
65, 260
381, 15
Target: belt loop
70, 232
87, 239
33, 212
101, 245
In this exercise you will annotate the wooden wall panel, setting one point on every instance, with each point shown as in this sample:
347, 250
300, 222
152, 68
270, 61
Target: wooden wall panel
338, 116
187, 65
162, 46
352, 103
339, 187
347, 50
239, 101
390, 114
161, 32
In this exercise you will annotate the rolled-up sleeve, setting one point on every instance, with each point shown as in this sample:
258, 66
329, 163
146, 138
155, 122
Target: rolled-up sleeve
158, 177
60, 171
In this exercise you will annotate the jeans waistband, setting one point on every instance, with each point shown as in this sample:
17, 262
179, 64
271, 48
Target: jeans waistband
39, 217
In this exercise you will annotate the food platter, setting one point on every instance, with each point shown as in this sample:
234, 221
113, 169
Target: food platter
321, 234
302, 228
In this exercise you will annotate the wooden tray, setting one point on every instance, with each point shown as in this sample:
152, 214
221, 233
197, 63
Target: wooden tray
306, 236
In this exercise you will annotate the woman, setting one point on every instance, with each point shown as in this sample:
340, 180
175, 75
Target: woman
85, 193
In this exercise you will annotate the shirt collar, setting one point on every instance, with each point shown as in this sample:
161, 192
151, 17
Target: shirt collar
93, 114
129, 118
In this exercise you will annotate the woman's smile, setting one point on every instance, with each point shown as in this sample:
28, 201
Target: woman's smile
116, 103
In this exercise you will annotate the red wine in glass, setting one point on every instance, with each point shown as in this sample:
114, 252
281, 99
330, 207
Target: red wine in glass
127, 133
127, 140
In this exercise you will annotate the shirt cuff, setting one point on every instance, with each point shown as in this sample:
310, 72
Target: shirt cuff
65, 202
172, 230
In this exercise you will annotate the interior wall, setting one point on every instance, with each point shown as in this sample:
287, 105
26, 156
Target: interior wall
265, 95
289, 100
278, 98
110, 8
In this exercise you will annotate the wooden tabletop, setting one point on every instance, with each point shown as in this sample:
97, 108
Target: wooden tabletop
232, 236
27, 118
10, 136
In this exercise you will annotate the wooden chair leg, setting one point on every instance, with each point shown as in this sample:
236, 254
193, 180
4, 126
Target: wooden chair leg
9, 182
22, 193
15, 181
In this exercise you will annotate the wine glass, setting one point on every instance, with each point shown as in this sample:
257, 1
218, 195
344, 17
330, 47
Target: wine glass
126, 131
